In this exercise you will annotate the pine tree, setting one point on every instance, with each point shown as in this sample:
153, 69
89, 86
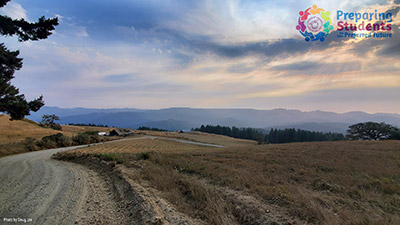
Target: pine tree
11, 101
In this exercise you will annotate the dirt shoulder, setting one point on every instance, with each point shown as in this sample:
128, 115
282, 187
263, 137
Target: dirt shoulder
137, 204
98, 205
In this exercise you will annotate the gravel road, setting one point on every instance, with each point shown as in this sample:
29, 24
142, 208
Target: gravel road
35, 189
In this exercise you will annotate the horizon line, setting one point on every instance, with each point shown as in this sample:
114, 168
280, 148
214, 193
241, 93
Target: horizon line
227, 108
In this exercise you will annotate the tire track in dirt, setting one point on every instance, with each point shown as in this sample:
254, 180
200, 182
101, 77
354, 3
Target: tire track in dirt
46, 191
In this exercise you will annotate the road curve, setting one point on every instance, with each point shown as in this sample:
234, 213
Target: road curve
35, 189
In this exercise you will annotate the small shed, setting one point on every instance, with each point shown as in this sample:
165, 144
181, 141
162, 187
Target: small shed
122, 132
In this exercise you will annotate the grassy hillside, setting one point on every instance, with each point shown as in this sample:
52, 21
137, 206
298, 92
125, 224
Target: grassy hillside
74, 130
14, 133
244, 183
18, 130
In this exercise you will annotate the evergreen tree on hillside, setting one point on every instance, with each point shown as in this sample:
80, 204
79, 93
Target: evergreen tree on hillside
293, 135
11, 101
243, 133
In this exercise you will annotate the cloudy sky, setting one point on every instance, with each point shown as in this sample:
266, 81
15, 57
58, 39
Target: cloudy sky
204, 53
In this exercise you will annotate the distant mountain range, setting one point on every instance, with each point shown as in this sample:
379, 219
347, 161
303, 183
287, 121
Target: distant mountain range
187, 118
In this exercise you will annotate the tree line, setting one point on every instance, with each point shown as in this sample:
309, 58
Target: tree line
243, 133
293, 135
359, 131
274, 135
87, 124
150, 128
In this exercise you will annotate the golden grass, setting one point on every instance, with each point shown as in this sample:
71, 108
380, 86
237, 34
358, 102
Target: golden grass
74, 130
315, 183
202, 137
18, 130
142, 145
329, 183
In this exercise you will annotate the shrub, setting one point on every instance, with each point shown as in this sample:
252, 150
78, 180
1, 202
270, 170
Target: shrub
30, 144
143, 156
47, 144
56, 140
95, 138
87, 138
65, 141
92, 133
81, 139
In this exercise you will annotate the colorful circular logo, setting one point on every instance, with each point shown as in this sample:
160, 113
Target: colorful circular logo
314, 24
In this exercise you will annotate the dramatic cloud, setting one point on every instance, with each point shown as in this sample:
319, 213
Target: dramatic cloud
204, 53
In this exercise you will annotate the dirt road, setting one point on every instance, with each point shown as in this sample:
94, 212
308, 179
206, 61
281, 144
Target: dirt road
35, 189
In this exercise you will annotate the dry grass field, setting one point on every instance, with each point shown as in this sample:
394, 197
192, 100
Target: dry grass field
201, 137
300, 183
19, 130
74, 130
14, 133
139, 145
